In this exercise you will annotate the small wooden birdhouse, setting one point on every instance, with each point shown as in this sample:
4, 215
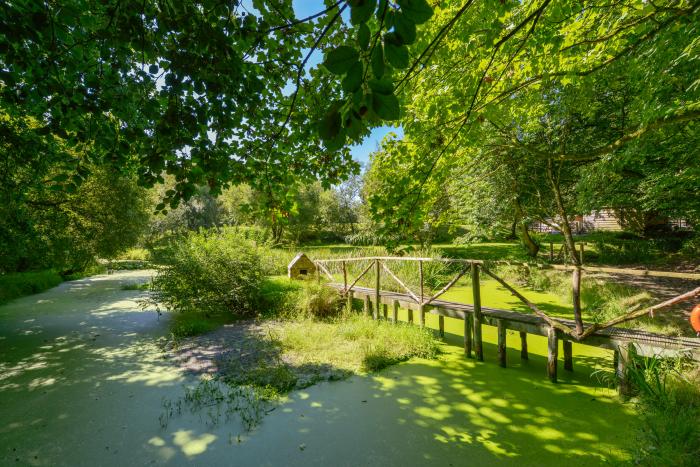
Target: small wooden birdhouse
301, 267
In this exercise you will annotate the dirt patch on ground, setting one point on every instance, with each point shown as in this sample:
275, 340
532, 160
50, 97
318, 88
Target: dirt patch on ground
247, 352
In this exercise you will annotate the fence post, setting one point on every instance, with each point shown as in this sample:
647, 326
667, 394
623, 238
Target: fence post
377, 297
568, 355
395, 311
552, 353
345, 278
551, 252
421, 308
476, 290
367, 306
624, 353
350, 297
441, 325
523, 345
468, 325
501, 343
581, 254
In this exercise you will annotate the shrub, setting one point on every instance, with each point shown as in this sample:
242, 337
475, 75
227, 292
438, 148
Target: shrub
669, 406
211, 272
135, 254
278, 296
19, 284
317, 300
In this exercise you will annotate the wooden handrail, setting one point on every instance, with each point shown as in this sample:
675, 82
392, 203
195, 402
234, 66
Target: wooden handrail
369, 266
447, 287
400, 258
323, 268
393, 276
551, 321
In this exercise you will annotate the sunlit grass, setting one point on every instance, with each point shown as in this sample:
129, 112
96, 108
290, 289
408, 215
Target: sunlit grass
354, 343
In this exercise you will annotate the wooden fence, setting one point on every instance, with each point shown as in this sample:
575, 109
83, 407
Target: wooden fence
624, 342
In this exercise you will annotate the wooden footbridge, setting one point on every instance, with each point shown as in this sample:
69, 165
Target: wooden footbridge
624, 342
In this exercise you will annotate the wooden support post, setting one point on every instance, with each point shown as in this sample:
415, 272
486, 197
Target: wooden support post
476, 290
552, 353
468, 329
345, 278
367, 307
410, 314
420, 276
421, 307
568, 356
623, 360
385, 311
523, 345
349, 298
551, 252
395, 311
377, 288
616, 358
501, 343
441, 325
581, 247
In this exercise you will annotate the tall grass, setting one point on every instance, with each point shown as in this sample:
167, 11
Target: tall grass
19, 284
354, 342
668, 404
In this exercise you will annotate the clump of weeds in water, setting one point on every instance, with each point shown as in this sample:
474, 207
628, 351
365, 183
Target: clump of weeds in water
215, 401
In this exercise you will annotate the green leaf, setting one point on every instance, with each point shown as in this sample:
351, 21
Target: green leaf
153, 69
361, 10
60, 178
353, 79
160, 207
396, 55
329, 127
405, 28
336, 143
357, 97
381, 86
417, 10
386, 106
377, 61
363, 36
341, 59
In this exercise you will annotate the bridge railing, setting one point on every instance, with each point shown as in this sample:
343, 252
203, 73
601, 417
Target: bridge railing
414, 298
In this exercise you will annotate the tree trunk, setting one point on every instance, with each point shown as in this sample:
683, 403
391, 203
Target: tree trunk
570, 243
522, 232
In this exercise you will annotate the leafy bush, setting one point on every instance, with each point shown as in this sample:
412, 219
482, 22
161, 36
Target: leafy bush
136, 254
287, 299
317, 300
669, 407
19, 284
212, 272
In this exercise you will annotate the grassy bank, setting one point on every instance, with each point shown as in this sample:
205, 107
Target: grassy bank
19, 284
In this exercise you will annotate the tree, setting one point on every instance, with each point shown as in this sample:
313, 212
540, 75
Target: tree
531, 94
